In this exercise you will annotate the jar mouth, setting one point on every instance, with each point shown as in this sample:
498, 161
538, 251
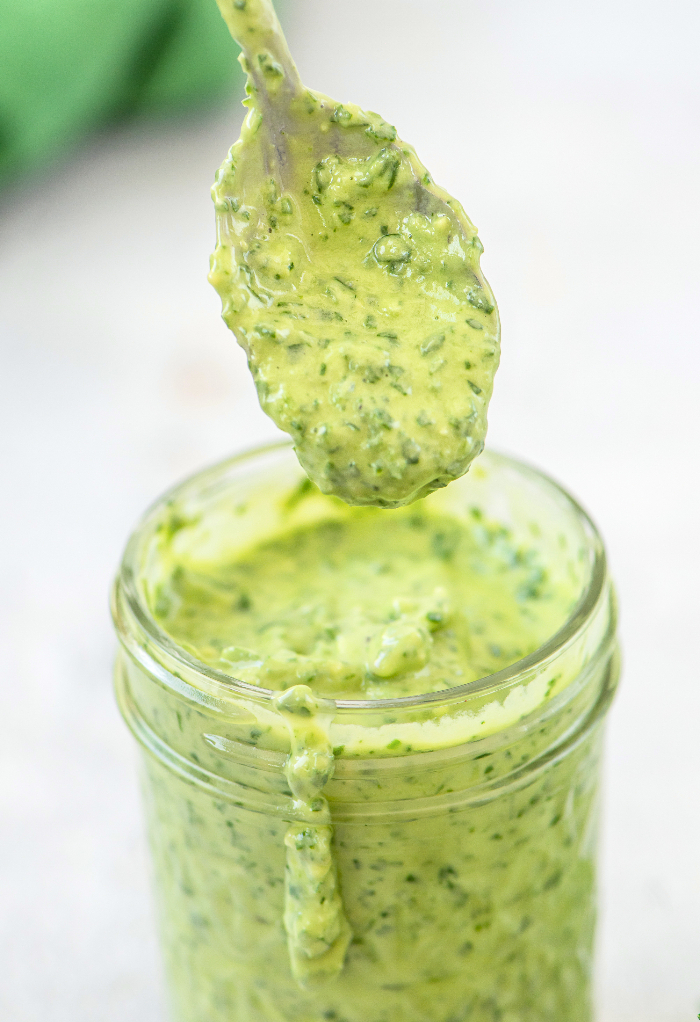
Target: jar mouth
126, 597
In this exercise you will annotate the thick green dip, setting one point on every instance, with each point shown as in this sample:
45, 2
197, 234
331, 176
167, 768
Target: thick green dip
353, 282
359, 604
374, 801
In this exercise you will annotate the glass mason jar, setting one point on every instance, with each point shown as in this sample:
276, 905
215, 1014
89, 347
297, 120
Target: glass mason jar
464, 821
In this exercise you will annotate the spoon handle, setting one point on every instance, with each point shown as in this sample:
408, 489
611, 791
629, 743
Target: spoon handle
255, 27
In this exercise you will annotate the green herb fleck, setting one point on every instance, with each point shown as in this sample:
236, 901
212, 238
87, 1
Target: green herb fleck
432, 344
478, 299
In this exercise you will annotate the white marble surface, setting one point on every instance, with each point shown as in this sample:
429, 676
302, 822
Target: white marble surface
570, 132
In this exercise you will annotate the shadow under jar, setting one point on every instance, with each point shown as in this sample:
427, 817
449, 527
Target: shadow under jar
464, 821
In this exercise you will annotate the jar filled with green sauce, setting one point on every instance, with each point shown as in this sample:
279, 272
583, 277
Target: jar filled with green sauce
371, 744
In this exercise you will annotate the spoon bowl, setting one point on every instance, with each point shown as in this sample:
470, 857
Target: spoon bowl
353, 283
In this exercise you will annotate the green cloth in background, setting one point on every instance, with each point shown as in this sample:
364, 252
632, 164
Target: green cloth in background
67, 66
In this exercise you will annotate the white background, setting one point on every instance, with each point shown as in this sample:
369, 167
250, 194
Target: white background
571, 134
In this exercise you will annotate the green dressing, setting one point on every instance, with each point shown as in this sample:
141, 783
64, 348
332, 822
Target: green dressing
432, 862
350, 603
426, 862
353, 283
362, 604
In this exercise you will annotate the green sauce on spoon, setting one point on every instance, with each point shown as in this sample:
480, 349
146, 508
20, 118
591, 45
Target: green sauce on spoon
353, 284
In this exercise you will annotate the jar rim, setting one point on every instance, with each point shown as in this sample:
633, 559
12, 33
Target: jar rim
125, 590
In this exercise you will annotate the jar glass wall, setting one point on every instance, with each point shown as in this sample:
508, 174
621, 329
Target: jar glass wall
464, 821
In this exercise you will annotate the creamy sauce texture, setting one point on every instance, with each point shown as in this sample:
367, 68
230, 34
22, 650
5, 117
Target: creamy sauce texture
364, 604
360, 604
435, 865
318, 933
353, 284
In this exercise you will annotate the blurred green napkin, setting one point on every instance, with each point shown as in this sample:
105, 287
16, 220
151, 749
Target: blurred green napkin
66, 66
